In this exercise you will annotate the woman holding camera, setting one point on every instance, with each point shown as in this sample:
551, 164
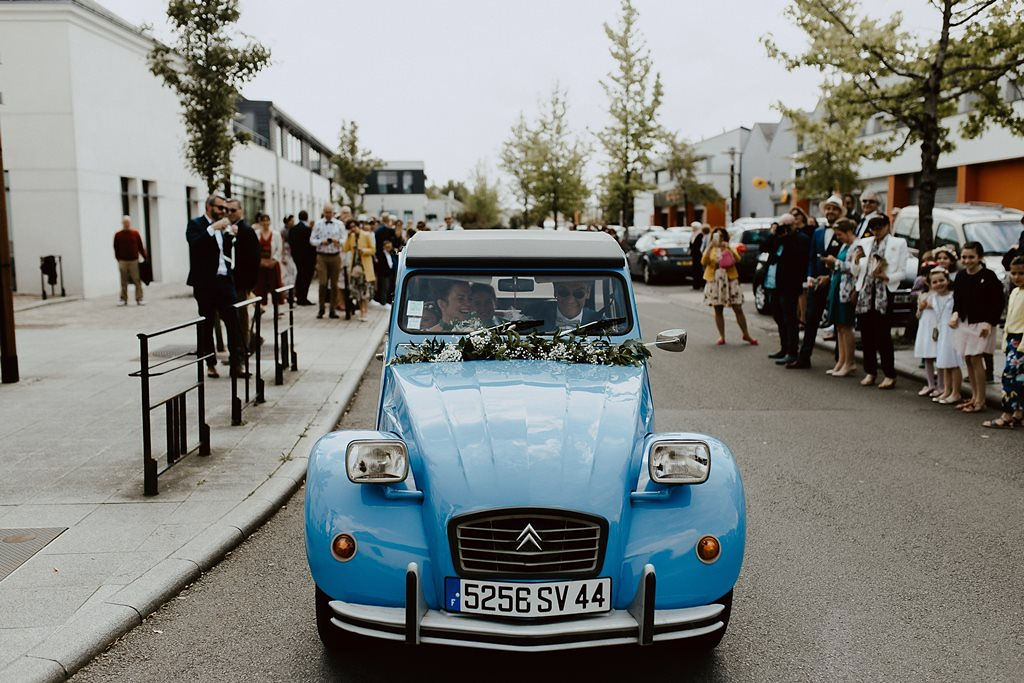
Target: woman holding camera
722, 283
881, 270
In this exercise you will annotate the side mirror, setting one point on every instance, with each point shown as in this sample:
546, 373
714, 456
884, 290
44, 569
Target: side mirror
671, 340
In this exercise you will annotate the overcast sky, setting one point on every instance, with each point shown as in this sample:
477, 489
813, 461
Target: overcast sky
442, 81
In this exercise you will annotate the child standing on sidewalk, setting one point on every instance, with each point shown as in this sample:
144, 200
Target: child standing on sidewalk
1013, 372
977, 303
926, 344
947, 361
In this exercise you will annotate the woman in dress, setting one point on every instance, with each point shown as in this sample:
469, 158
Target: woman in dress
948, 362
977, 305
288, 269
840, 295
722, 284
271, 246
926, 343
358, 257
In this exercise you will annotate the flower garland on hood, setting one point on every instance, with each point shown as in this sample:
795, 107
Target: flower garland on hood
564, 346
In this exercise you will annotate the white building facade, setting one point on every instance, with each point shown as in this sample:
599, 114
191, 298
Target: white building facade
730, 162
90, 135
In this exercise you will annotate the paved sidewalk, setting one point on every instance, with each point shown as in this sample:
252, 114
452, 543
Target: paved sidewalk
71, 456
905, 362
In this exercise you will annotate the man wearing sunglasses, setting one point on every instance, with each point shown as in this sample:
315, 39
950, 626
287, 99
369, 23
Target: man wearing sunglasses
210, 247
869, 203
570, 306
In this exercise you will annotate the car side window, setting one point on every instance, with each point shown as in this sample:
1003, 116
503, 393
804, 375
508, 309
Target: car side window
907, 228
945, 234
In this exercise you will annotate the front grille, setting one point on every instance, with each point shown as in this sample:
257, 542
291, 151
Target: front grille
528, 543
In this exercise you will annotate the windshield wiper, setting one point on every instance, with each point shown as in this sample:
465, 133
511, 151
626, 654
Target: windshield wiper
517, 325
598, 325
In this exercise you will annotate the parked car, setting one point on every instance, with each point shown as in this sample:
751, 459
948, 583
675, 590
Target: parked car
996, 227
747, 238
659, 256
635, 232
520, 504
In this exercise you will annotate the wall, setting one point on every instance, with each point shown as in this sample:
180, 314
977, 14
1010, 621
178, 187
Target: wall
1001, 182
126, 124
39, 144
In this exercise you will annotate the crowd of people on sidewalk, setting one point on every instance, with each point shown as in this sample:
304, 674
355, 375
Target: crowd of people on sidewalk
230, 261
845, 272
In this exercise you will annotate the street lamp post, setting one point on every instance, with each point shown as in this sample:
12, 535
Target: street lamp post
8, 348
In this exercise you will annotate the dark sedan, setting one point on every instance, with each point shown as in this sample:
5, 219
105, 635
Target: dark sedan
661, 255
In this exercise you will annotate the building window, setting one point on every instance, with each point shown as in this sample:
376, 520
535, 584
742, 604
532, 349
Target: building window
407, 182
387, 182
282, 142
126, 200
191, 202
314, 160
1014, 91
250, 193
148, 206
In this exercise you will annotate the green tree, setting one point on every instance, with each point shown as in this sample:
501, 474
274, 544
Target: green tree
633, 98
206, 70
561, 160
482, 205
879, 68
456, 187
519, 159
352, 164
546, 163
831, 151
681, 161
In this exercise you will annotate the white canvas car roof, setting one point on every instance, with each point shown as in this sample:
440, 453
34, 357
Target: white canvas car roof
513, 248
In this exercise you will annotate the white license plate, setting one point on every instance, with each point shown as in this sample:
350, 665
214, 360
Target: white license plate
901, 298
685, 262
528, 599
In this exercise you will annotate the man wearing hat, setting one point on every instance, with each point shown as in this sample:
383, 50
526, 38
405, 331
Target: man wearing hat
823, 243
696, 249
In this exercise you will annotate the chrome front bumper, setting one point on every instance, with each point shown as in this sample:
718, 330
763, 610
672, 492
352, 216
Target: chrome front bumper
640, 624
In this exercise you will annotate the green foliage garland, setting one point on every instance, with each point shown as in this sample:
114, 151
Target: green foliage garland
495, 345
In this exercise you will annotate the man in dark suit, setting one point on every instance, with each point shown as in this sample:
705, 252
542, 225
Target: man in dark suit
210, 245
784, 279
305, 258
823, 243
387, 265
383, 233
247, 263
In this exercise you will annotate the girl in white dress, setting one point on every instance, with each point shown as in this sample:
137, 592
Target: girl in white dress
927, 342
947, 361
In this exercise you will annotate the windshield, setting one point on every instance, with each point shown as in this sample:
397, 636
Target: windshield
458, 303
995, 236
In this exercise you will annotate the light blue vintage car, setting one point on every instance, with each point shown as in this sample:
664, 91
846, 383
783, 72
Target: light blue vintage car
524, 503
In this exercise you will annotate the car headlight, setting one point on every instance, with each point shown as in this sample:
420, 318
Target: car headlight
377, 462
679, 462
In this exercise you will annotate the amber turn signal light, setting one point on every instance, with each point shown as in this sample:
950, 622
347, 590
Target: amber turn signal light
343, 547
708, 549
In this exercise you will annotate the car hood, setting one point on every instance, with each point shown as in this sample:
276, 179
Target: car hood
488, 434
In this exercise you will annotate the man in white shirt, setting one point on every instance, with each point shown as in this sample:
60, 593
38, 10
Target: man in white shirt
326, 238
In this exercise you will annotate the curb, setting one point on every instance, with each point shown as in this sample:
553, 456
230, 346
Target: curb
51, 301
91, 631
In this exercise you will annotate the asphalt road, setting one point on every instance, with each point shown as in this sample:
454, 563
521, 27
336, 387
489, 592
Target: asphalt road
884, 542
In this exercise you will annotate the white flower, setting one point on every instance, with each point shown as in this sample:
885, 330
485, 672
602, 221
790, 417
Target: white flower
450, 354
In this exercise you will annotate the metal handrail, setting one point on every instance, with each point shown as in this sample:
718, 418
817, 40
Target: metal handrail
284, 340
237, 404
175, 406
